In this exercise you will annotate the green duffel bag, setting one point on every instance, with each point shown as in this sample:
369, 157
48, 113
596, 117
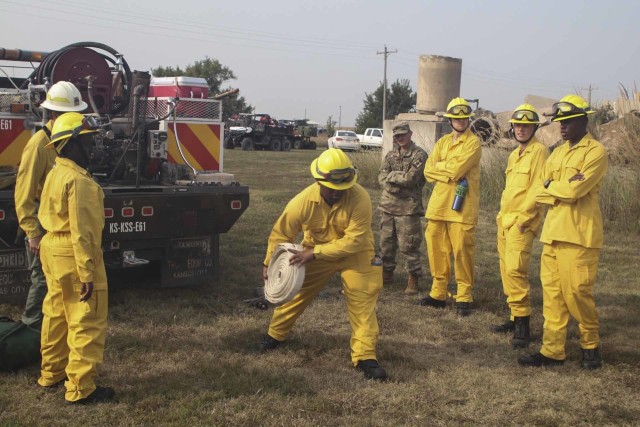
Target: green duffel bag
19, 345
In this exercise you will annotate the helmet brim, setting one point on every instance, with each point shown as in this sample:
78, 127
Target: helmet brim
63, 140
524, 122
74, 109
561, 118
451, 116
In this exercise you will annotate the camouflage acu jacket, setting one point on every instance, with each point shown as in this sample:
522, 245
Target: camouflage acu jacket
402, 179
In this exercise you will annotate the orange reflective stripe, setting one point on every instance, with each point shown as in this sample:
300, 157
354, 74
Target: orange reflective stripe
200, 144
13, 141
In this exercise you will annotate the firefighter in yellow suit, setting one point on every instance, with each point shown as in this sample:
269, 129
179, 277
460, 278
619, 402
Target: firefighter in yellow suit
455, 157
334, 214
75, 308
35, 164
572, 236
519, 221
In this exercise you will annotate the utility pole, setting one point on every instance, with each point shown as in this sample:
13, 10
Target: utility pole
384, 86
590, 89
340, 118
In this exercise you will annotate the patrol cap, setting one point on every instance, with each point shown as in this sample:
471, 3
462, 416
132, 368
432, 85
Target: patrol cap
401, 128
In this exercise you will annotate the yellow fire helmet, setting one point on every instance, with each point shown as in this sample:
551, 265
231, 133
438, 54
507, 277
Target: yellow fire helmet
569, 107
525, 114
69, 126
458, 108
334, 170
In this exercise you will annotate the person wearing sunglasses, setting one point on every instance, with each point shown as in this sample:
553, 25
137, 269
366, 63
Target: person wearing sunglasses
334, 215
75, 308
451, 229
519, 221
572, 236
401, 177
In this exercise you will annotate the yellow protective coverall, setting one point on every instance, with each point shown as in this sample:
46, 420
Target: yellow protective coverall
73, 332
522, 175
572, 236
448, 230
35, 164
342, 242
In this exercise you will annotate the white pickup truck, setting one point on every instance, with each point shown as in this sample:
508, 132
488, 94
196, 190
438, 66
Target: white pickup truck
371, 139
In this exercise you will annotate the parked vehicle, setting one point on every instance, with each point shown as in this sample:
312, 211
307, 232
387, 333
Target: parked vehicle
159, 161
371, 139
303, 131
258, 132
345, 140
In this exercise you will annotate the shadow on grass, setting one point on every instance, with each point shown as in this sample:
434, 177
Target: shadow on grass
221, 380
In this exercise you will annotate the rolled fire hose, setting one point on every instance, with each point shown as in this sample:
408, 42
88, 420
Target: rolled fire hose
284, 280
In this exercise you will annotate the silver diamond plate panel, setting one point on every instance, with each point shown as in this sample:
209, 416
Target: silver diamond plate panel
192, 109
11, 96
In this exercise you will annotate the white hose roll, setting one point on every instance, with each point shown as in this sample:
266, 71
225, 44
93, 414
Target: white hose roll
284, 280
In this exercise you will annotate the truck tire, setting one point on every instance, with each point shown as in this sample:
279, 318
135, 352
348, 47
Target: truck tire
247, 144
313, 145
228, 143
274, 144
286, 144
297, 144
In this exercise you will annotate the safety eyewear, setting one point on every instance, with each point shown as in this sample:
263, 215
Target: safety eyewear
527, 115
458, 110
566, 108
88, 123
337, 176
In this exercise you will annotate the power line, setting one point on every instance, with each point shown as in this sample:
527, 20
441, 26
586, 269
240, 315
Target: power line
188, 26
166, 34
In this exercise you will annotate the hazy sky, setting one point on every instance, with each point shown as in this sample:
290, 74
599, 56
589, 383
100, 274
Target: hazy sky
320, 57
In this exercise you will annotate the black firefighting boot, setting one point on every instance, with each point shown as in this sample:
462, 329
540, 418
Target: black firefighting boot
372, 370
537, 360
432, 302
521, 332
591, 359
269, 343
463, 309
504, 328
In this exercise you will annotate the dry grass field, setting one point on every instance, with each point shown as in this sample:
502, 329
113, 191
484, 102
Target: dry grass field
188, 357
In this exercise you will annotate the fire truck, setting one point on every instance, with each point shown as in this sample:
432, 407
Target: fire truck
158, 158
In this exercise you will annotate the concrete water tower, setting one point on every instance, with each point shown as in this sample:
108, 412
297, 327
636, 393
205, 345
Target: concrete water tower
438, 83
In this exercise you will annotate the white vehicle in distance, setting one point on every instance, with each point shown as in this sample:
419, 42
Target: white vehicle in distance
345, 140
371, 139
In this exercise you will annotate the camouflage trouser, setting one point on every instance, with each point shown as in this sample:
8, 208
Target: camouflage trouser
403, 232
32, 315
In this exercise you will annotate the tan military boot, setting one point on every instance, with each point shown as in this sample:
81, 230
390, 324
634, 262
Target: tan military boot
412, 285
387, 277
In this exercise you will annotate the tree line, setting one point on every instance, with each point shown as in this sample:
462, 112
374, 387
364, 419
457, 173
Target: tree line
400, 96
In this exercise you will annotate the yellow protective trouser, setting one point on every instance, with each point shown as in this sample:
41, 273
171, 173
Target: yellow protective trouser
361, 282
73, 332
568, 273
443, 238
514, 249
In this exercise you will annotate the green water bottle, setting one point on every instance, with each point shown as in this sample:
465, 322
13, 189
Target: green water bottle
461, 193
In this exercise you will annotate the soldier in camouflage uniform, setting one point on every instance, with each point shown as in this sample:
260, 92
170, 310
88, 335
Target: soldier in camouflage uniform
402, 179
